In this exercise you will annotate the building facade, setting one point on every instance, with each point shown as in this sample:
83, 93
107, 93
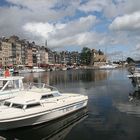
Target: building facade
98, 58
6, 53
14, 51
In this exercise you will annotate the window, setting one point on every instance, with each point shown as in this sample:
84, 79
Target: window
33, 105
7, 103
17, 105
47, 96
56, 94
50, 96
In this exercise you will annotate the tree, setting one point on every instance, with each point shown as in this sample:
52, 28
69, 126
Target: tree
130, 60
85, 56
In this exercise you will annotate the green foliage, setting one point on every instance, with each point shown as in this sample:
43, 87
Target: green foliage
130, 60
85, 56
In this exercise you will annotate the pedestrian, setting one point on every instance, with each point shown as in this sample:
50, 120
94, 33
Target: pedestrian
7, 73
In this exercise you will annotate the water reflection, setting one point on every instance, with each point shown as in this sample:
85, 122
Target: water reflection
135, 96
58, 77
133, 106
55, 130
112, 115
135, 80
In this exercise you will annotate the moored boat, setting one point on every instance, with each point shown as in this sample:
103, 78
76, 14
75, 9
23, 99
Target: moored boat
25, 70
38, 104
108, 66
37, 69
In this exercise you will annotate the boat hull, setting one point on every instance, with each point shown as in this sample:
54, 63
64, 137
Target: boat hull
41, 118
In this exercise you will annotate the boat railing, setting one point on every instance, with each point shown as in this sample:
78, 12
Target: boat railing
40, 86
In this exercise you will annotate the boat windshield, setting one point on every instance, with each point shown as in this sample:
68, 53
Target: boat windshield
55, 94
9, 85
42, 86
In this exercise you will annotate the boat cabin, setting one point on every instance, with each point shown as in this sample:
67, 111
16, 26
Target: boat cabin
21, 106
30, 100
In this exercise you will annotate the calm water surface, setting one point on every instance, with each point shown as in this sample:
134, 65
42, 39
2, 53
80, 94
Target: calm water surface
113, 111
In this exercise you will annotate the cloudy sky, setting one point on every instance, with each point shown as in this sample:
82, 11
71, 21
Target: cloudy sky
110, 25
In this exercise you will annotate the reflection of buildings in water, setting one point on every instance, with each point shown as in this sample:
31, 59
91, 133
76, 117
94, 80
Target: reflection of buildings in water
54, 130
133, 106
76, 75
101, 75
64, 77
58, 77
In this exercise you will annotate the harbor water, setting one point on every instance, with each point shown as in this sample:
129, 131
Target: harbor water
112, 113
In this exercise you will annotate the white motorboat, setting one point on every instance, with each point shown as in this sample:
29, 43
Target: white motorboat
64, 68
108, 66
55, 130
21, 69
24, 70
38, 104
10, 87
37, 69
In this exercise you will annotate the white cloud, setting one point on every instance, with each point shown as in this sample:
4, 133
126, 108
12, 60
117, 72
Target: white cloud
130, 6
80, 25
22, 14
93, 5
107, 7
88, 39
126, 22
42, 29
137, 47
33, 4
111, 8
135, 52
61, 23
59, 34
